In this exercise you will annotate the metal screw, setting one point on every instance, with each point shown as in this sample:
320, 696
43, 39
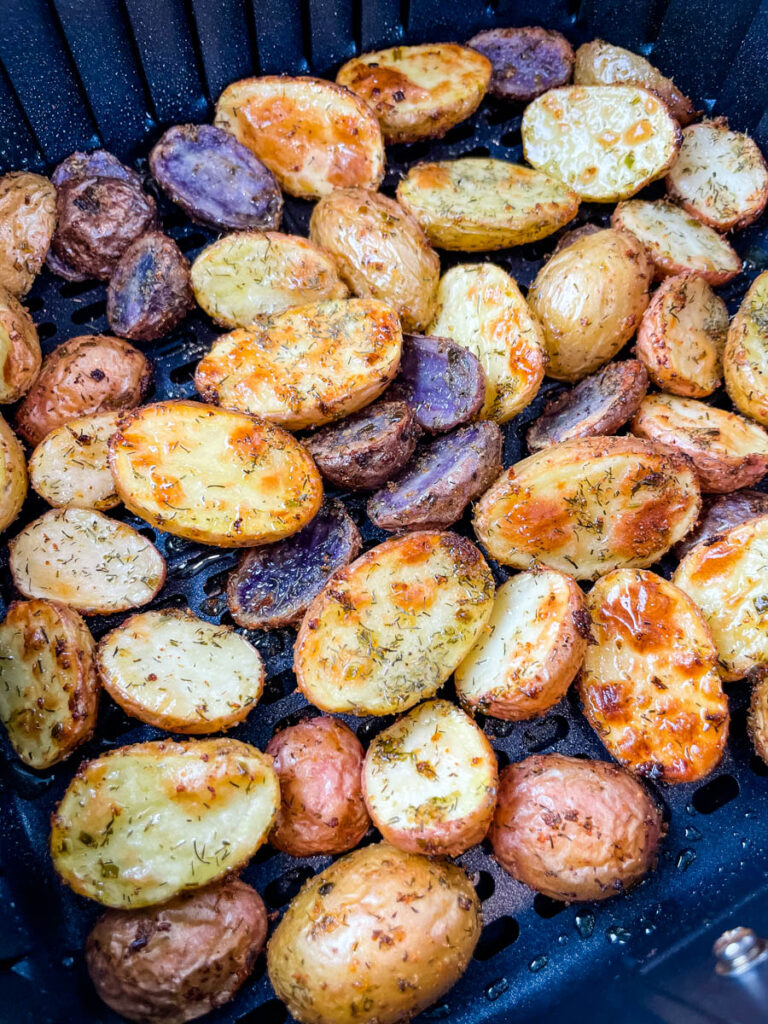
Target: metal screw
738, 950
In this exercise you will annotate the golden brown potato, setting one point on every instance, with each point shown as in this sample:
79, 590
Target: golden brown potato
13, 476
27, 221
757, 721
20, 356
69, 467
402, 925
170, 964
745, 361
574, 829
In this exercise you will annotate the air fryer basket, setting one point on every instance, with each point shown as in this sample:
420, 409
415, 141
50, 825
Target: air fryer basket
75, 74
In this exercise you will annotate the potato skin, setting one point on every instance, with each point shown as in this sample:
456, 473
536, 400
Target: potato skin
13, 476
170, 964
720, 513
150, 290
20, 356
574, 830
27, 221
745, 361
526, 61
319, 763
97, 164
757, 720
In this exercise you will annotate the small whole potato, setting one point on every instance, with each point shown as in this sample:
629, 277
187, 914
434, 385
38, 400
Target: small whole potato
150, 291
20, 355
179, 961
27, 220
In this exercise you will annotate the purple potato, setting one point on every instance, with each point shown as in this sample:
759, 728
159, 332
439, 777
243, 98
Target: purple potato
215, 179
722, 512
442, 382
150, 291
61, 268
526, 61
273, 585
98, 164
432, 493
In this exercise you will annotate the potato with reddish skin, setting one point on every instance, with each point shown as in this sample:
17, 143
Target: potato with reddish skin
150, 291
97, 164
27, 221
20, 356
720, 513
526, 61
757, 721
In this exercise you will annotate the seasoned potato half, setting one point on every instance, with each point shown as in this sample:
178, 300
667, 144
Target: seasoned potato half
606, 142
720, 176
757, 721
142, 823
13, 476
677, 242
475, 204
419, 92
480, 306
532, 649
430, 781
745, 361
726, 578
682, 336
173, 670
526, 61
650, 685
305, 366
87, 561
250, 274
590, 505
212, 475
27, 221
69, 466
49, 690
313, 135
727, 450
389, 629
20, 356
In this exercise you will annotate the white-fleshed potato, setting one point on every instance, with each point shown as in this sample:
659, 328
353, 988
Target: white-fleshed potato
213, 475
745, 361
676, 241
726, 578
650, 686
84, 559
305, 366
589, 299
170, 669
418, 92
430, 779
69, 467
590, 505
605, 141
143, 823
27, 222
531, 650
476, 203
380, 251
757, 720
313, 135
388, 630
13, 476
728, 451
20, 356
250, 274
481, 307
49, 690
720, 176
682, 336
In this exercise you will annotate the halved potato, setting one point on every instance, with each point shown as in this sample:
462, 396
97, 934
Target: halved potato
480, 306
590, 505
20, 355
69, 466
250, 274
650, 685
745, 361
532, 648
475, 204
305, 366
49, 690
605, 141
212, 475
720, 513
313, 135
720, 176
87, 561
429, 781
677, 242
170, 669
389, 629
142, 823
13, 476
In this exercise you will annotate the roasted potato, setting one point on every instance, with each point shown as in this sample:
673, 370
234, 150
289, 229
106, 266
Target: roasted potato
402, 959
526, 61
590, 505
87, 561
677, 242
170, 964
205, 806
480, 306
389, 629
13, 476
97, 164
212, 475
250, 274
305, 366
757, 720
418, 92
720, 513
49, 690
319, 763
88, 374
573, 829
475, 203
745, 361
380, 251
150, 290
575, 235
532, 649
727, 450
27, 221
20, 356
313, 135
69, 467
589, 299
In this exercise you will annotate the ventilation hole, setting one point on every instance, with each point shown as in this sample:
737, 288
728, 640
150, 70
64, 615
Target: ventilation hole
271, 1012
175, 219
283, 889
193, 241
497, 113
478, 151
176, 601
74, 289
461, 133
148, 533
497, 936
216, 584
511, 137
487, 846
226, 620
34, 304
93, 311
715, 794
502, 757
542, 734
485, 886
213, 606
372, 727
7, 963
439, 1012
302, 715
185, 373
758, 766
274, 690
546, 907
46, 331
